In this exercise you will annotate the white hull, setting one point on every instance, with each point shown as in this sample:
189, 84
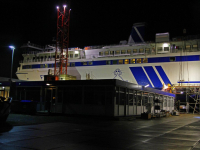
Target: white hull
175, 71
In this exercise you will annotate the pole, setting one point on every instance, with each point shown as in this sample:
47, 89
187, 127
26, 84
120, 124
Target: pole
13, 48
11, 65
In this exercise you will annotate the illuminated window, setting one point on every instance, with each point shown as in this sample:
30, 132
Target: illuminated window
187, 46
121, 61
100, 53
90, 63
145, 60
71, 55
132, 61
128, 51
141, 50
139, 61
46, 66
68, 64
123, 52
106, 53
117, 52
115, 62
135, 51
126, 61
194, 46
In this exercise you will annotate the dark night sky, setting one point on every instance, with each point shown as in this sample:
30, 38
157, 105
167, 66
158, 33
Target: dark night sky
92, 22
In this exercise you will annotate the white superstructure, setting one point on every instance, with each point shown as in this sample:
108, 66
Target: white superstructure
146, 63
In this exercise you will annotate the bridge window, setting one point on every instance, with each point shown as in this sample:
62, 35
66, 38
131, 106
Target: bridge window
76, 55
71, 55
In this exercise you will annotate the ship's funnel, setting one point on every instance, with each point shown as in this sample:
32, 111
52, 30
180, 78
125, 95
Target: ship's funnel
137, 33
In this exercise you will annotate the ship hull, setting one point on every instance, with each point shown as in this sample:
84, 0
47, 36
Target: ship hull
152, 74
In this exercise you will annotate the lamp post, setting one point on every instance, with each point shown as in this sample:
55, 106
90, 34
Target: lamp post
13, 48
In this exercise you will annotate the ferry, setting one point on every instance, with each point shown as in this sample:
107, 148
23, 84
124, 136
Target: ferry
155, 64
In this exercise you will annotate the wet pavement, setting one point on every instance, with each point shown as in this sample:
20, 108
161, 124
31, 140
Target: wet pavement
24, 132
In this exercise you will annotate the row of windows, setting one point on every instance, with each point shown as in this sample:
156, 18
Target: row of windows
146, 50
89, 63
48, 57
117, 52
120, 61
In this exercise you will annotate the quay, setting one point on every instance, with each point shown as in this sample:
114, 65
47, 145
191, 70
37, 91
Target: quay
25, 132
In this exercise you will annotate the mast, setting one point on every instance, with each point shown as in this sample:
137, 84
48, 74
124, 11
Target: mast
62, 41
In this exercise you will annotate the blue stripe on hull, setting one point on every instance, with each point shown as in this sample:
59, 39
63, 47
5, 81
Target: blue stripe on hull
188, 82
163, 75
153, 76
140, 76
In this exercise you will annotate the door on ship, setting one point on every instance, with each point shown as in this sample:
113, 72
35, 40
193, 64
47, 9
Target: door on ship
50, 100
